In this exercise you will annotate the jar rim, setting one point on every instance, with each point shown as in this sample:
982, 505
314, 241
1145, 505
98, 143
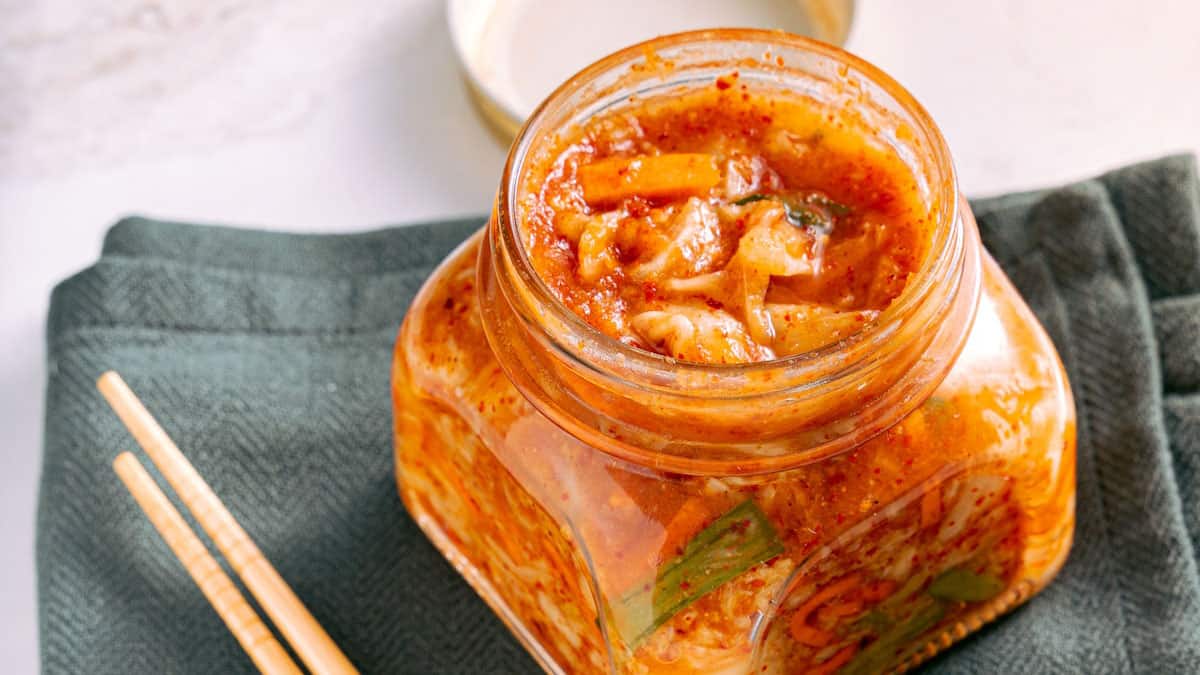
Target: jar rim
915, 289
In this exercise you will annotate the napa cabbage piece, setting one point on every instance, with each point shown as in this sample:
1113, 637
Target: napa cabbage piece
695, 244
747, 175
571, 225
698, 334
804, 327
597, 256
771, 246
775, 246
736, 288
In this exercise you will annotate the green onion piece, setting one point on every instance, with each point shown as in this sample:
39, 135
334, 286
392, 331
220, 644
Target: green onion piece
802, 216
750, 200
837, 208
814, 210
875, 621
892, 604
962, 585
882, 652
730, 545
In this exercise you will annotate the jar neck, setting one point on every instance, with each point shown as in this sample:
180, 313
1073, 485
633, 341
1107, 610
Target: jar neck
730, 419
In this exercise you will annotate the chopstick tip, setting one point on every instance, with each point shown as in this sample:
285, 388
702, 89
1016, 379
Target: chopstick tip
105, 377
122, 459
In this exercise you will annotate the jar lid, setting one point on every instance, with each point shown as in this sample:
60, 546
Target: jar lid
515, 52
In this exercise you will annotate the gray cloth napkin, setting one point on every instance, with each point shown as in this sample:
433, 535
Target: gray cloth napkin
266, 356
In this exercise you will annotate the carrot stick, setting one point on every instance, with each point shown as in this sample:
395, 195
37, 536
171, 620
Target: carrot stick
840, 609
878, 590
651, 176
836, 661
828, 593
808, 635
801, 630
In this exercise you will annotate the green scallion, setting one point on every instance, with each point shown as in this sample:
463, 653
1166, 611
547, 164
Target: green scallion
959, 584
730, 545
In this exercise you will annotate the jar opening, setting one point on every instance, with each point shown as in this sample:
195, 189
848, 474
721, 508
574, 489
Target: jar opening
684, 390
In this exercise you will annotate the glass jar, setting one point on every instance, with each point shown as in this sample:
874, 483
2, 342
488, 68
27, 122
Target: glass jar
852, 509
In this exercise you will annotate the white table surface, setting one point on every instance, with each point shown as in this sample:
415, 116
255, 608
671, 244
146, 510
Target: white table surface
309, 116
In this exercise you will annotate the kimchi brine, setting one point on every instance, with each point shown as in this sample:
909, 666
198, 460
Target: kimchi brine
727, 384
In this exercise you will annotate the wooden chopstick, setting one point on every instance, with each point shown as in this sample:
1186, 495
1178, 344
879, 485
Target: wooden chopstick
243, 622
295, 622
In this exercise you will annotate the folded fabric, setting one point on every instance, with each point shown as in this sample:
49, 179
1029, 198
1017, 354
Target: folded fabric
267, 356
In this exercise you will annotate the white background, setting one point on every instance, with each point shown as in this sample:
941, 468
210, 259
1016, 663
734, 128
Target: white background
317, 116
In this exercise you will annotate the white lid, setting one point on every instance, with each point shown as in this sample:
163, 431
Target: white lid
515, 52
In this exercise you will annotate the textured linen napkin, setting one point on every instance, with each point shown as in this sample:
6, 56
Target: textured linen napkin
267, 357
